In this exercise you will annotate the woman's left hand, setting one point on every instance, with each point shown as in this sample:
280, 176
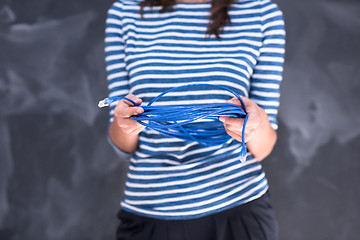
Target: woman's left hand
257, 117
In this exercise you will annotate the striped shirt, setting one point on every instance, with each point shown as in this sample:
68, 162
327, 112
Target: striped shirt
170, 178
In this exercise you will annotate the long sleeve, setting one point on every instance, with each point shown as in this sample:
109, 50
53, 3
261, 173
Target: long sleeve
267, 75
117, 75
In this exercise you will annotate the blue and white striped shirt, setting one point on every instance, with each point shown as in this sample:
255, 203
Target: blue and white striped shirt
170, 178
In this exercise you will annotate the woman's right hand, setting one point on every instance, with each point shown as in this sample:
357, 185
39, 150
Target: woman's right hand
122, 113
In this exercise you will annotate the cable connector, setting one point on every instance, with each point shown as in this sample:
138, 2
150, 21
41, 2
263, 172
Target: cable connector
243, 154
107, 101
103, 103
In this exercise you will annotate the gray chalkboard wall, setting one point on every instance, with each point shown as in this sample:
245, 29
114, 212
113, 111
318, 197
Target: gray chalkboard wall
59, 178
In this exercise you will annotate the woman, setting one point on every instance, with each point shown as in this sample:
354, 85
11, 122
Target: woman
177, 189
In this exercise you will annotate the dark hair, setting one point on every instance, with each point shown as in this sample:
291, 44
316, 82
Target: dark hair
218, 13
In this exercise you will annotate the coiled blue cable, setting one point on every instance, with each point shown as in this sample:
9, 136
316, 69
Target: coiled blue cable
181, 121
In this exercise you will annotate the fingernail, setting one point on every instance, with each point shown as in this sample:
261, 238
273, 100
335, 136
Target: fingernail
139, 110
221, 119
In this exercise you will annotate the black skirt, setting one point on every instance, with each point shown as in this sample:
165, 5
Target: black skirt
254, 220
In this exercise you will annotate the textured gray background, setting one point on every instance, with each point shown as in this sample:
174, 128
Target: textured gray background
59, 179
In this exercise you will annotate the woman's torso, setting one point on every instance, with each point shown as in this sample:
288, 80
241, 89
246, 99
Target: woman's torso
171, 178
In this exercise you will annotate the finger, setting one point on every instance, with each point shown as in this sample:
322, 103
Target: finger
233, 129
139, 127
137, 130
134, 98
236, 128
239, 130
238, 135
236, 101
130, 126
233, 134
128, 123
232, 121
246, 100
122, 110
248, 137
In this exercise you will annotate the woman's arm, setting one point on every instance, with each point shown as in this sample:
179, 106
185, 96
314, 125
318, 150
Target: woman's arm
124, 131
263, 139
264, 93
260, 137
